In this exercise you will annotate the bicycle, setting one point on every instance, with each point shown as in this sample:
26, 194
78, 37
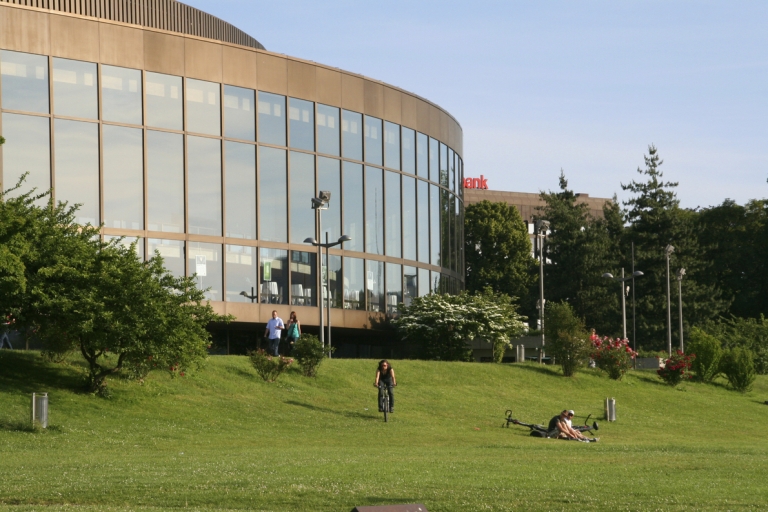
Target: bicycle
384, 400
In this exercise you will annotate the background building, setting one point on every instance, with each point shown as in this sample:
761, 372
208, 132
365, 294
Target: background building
175, 128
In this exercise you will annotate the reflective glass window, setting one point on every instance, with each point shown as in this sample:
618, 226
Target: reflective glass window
77, 167
272, 118
409, 150
27, 149
354, 283
333, 283
443, 165
451, 170
164, 106
352, 135
374, 211
445, 220
273, 276
328, 130
241, 273
373, 140
303, 278
410, 284
204, 185
25, 81
165, 182
205, 263
434, 158
451, 231
123, 175
393, 223
391, 145
460, 170
422, 213
273, 195
172, 252
374, 285
423, 282
394, 287
302, 187
422, 155
240, 177
74, 89
409, 218
121, 95
434, 224
302, 124
239, 113
434, 284
329, 179
203, 107
353, 206
129, 241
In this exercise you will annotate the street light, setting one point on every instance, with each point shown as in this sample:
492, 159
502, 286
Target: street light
541, 227
327, 245
252, 296
319, 204
624, 291
680, 274
668, 250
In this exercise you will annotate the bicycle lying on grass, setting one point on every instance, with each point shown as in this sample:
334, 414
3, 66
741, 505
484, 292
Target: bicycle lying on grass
541, 431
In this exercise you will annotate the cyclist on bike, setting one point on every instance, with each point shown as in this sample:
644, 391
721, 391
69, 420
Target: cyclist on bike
386, 375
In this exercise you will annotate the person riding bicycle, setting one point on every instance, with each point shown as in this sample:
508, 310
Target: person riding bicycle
386, 375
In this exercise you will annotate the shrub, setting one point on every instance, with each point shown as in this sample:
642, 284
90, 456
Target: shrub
738, 366
500, 346
676, 368
268, 367
708, 352
309, 354
567, 338
612, 356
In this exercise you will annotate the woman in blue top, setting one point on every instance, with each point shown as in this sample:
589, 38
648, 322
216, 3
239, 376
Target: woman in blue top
294, 330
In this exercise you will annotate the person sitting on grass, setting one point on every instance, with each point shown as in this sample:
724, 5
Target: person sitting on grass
386, 374
561, 426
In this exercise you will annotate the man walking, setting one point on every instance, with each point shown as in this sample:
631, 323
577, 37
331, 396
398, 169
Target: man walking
274, 329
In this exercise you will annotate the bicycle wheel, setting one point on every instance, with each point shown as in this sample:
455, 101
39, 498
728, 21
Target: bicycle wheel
385, 405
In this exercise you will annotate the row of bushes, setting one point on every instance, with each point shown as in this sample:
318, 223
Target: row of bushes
308, 352
737, 364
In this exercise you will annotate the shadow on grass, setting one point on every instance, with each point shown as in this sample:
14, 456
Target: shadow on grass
26, 426
553, 371
651, 379
27, 373
346, 414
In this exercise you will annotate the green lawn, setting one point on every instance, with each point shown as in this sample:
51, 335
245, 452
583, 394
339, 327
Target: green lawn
223, 439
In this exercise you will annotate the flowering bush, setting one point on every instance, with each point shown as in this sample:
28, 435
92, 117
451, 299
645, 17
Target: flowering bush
677, 368
612, 356
268, 367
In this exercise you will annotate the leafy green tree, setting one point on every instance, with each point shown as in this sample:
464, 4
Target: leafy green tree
498, 250
567, 338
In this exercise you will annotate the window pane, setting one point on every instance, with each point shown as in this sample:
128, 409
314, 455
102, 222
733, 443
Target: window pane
25, 81
205, 261
393, 229
443, 165
203, 107
445, 255
121, 95
328, 130
328, 179
422, 155
74, 89
354, 283
123, 177
391, 145
422, 207
423, 282
452, 231
410, 284
302, 182
239, 113
273, 195
409, 218
434, 224
434, 285
272, 119
374, 284
165, 182
273, 276
241, 273
128, 241
303, 278
373, 140
434, 171
164, 107
352, 135
204, 185
27, 149
374, 211
334, 281
451, 170
240, 175
172, 252
353, 206
394, 287
302, 129
77, 167
409, 150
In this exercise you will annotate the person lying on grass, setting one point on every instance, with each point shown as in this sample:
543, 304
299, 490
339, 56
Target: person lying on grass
562, 423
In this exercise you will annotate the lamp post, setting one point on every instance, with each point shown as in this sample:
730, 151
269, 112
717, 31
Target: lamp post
541, 228
252, 296
680, 274
319, 204
668, 250
624, 291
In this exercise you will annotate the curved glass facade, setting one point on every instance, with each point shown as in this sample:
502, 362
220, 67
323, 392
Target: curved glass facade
218, 180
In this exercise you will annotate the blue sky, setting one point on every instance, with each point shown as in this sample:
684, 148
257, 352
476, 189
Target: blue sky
539, 86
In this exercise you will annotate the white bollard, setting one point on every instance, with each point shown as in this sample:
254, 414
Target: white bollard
40, 409
610, 409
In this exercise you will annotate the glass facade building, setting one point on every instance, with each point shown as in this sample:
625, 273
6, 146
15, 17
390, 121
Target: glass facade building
216, 175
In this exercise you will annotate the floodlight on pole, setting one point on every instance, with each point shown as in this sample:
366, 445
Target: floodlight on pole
541, 227
668, 250
680, 274
624, 291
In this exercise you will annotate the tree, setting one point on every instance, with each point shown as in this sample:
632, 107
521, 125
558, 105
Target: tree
498, 250
567, 338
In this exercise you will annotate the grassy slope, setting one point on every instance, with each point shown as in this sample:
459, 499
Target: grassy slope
224, 439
